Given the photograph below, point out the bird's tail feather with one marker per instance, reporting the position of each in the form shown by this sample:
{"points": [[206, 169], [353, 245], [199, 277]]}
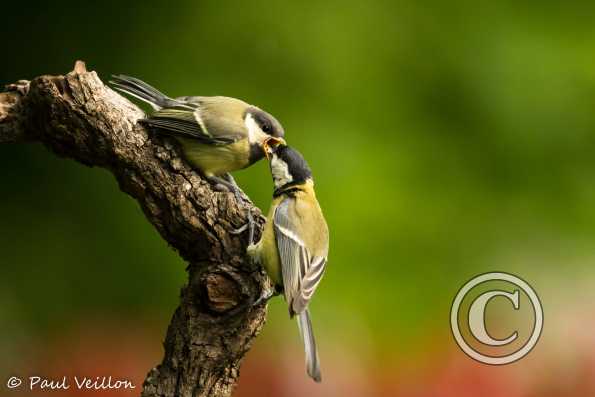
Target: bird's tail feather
{"points": [[312, 361], [141, 90]]}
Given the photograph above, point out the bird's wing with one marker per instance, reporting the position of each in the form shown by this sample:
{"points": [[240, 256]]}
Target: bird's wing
{"points": [[301, 271], [186, 122]]}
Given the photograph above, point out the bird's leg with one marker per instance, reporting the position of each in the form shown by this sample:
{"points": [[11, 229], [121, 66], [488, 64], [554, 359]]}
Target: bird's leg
{"points": [[264, 298], [250, 225], [229, 185], [268, 294], [221, 185]]}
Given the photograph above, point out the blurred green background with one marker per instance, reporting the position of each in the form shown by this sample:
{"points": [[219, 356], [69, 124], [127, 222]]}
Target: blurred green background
{"points": [[446, 139]]}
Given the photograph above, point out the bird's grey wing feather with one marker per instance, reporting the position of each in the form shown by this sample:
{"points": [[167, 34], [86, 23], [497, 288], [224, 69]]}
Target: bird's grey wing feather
{"points": [[184, 122], [292, 253], [309, 282], [190, 100], [301, 272], [307, 333]]}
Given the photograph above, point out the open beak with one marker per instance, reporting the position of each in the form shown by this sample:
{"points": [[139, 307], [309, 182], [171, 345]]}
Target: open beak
{"points": [[270, 145]]}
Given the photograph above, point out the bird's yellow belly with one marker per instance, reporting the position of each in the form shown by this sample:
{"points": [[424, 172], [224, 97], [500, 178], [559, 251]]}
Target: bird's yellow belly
{"points": [[269, 254], [216, 160]]}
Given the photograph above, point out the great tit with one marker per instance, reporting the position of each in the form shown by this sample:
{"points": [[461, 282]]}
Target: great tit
{"points": [[218, 134], [295, 241]]}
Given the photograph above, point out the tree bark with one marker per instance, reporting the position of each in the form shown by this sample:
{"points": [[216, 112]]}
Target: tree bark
{"points": [[78, 117]]}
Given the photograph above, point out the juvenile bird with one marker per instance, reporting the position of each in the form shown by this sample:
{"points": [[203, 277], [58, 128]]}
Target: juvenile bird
{"points": [[218, 134], [295, 241]]}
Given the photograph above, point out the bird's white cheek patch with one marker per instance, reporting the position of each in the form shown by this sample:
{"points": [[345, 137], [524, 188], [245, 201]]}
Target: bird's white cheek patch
{"points": [[280, 172], [255, 134]]}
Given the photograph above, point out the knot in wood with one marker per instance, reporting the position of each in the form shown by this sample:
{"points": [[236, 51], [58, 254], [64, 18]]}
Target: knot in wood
{"points": [[223, 293]]}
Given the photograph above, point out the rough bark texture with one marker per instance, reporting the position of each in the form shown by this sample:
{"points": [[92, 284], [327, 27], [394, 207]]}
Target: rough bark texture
{"points": [[77, 116]]}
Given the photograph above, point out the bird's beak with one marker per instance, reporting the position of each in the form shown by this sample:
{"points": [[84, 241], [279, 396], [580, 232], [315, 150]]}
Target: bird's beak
{"points": [[270, 145]]}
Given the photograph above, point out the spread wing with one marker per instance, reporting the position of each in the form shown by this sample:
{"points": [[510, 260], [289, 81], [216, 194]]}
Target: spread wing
{"points": [[301, 270]]}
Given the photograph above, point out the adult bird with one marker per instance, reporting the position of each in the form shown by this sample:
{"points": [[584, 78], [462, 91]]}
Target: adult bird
{"points": [[218, 134], [294, 244]]}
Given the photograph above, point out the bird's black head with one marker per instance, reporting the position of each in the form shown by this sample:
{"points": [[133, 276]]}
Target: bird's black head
{"points": [[266, 122], [288, 167], [262, 129]]}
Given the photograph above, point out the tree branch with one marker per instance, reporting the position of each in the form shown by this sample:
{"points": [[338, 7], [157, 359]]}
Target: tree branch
{"points": [[78, 117]]}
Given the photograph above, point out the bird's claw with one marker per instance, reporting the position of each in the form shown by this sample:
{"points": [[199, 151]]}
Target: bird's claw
{"points": [[239, 230], [219, 187], [264, 298], [250, 226]]}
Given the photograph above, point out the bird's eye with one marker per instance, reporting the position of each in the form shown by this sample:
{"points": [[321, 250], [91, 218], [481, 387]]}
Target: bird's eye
{"points": [[266, 127]]}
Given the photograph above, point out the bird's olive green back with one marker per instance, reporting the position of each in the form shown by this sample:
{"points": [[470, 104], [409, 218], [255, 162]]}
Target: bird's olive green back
{"points": [[223, 116]]}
